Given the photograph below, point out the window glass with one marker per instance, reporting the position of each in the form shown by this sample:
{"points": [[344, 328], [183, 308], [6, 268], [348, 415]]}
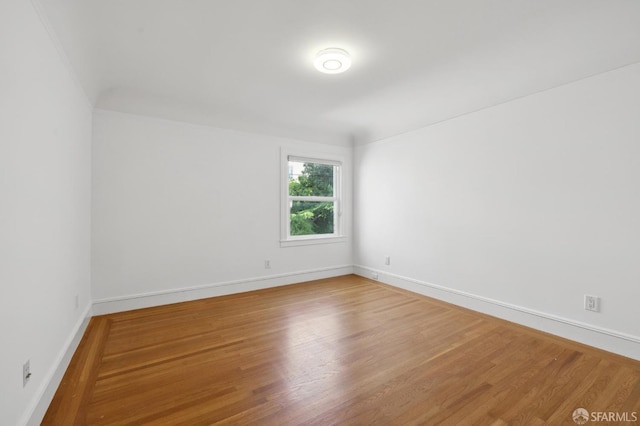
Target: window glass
{"points": [[312, 198], [310, 179]]}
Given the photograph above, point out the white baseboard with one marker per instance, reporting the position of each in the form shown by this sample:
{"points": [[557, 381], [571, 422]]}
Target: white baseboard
{"points": [[608, 340], [44, 395], [146, 300]]}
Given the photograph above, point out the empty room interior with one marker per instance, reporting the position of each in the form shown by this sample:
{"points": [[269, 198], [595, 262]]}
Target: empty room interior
{"points": [[337, 212]]}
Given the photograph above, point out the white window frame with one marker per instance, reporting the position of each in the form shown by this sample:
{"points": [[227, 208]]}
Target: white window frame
{"points": [[288, 240]]}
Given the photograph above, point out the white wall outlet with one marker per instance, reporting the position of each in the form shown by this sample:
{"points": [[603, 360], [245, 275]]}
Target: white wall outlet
{"points": [[387, 260], [267, 264], [592, 303], [374, 275], [26, 372]]}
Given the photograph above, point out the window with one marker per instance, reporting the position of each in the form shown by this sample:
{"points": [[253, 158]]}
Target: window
{"points": [[311, 200]]}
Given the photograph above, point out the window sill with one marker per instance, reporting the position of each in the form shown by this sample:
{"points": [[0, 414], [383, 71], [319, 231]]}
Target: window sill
{"points": [[312, 241]]}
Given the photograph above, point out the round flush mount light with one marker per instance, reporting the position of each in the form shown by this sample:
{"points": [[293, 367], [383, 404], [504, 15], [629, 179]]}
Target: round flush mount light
{"points": [[332, 61]]}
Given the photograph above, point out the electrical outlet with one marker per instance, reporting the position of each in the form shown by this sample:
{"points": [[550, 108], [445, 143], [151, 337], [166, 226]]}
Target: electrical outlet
{"points": [[592, 303], [267, 264], [387, 260], [26, 372], [374, 275]]}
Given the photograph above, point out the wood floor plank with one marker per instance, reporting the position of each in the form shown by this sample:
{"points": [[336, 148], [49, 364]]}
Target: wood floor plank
{"points": [[78, 382], [345, 350]]}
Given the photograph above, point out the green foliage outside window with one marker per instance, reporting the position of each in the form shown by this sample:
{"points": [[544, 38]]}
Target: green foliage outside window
{"points": [[312, 217]]}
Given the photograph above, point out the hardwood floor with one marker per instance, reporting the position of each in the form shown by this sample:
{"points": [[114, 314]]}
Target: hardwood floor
{"points": [[345, 350]]}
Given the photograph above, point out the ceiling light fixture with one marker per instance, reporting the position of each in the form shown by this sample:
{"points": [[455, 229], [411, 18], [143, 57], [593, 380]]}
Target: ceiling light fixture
{"points": [[332, 61]]}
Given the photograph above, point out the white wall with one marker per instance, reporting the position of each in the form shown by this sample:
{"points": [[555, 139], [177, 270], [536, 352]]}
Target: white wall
{"points": [[530, 204], [178, 206], [45, 142]]}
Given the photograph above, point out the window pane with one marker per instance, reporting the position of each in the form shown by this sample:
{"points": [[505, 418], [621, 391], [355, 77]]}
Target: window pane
{"points": [[310, 179], [311, 217]]}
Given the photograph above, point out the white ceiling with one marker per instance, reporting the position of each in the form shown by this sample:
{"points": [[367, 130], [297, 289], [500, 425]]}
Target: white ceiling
{"points": [[247, 64]]}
